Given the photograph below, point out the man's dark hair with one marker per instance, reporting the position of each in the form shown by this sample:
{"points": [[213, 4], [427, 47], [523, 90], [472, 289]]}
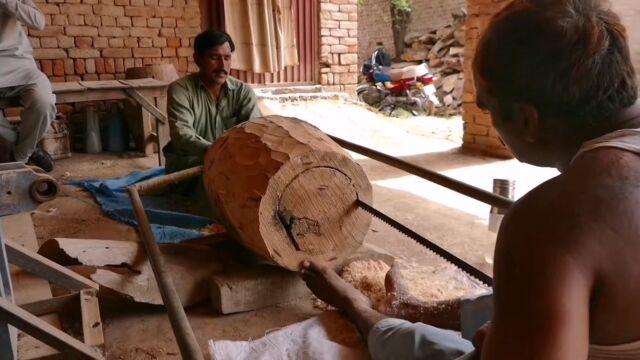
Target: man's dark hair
{"points": [[210, 39], [568, 58]]}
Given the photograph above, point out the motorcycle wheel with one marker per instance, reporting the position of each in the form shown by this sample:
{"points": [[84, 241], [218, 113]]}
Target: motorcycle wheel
{"points": [[371, 96]]}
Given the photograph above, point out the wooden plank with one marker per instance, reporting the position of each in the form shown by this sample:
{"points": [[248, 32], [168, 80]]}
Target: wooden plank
{"points": [[27, 288], [255, 288], [93, 95], [53, 337], [39, 265], [61, 87], [91, 321], [146, 83], [104, 84], [164, 132], [53, 305], [146, 103], [31, 349]]}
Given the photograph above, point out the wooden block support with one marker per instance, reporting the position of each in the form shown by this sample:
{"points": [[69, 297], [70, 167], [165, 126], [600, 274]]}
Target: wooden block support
{"points": [[91, 321], [255, 288]]}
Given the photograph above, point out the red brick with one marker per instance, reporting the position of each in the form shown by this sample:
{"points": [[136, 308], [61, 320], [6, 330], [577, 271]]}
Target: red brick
{"points": [[108, 20], [100, 66], [168, 52], [83, 53], [123, 21], [68, 66], [168, 22], [169, 12], [144, 32], [79, 67], [107, 77], [59, 20], [109, 66], [116, 42], [90, 66], [81, 31], [49, 53], [47, 67], [119, 65], [48, 42], [51, 30], [173, 42], [90, 77], [139, 11], [131, 42], [129, 63], [186, 32], [147, 52], [49, 9], [76, 9], [75, 19], [139, 21], [160, 42], [111, 31], [154, 23], [92, 20], [84, 42], [100, 42], [145, 42], [122, 2], [116, 53], [167, 32], [187, 52], [108, 10]]}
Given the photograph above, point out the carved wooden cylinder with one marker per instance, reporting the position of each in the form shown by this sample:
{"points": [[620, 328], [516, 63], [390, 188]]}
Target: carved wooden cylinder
{"points": [[287, 191]]}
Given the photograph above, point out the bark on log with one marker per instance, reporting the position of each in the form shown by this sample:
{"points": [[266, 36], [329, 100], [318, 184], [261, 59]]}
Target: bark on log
{"points": [[287, 191]]}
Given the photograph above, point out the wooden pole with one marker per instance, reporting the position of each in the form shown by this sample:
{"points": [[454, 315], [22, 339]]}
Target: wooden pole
{"points": [[473, 192], [182, 330], [166, 180]]}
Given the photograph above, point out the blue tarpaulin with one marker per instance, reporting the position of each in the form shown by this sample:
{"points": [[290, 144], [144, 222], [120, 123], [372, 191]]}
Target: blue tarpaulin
{"points": [[170, 224]]}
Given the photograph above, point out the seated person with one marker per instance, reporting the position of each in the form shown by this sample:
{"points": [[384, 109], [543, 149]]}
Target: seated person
{"points": [[557, 78], [202, 106], [20, 77]]}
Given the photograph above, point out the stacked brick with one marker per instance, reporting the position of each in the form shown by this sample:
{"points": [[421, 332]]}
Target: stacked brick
{"points": [[339, 43], [427, 15], [479, 135], [100, 39], [374, 25]]}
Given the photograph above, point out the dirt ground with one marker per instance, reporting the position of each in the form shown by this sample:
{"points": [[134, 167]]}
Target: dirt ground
{"points": [[453, 221]]}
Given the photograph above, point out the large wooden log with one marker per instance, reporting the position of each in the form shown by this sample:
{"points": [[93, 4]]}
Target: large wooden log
{"points": [[287, 191]]}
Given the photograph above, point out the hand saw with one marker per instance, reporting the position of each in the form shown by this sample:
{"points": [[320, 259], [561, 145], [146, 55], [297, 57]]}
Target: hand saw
{"points": [[431, 246]]}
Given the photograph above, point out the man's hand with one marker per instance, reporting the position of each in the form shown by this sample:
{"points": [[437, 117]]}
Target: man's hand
{"points": [[481, 334]]}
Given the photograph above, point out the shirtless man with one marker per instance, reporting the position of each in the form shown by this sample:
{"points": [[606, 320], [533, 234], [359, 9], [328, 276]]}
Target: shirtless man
{"points": [[557, 78]]}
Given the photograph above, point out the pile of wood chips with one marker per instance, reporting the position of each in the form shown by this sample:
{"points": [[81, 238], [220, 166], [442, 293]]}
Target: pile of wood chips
{"points": [[443, 50]]}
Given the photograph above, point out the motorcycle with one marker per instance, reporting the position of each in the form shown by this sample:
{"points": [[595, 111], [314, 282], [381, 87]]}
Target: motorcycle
{"points": [[411, 88]]}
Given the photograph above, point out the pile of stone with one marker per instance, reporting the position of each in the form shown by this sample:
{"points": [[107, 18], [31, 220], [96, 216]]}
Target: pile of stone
{"points": [[443, 50]]}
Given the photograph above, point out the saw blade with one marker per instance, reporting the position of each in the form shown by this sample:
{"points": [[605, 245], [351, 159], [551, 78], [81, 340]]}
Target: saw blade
{"points": [[431, 246]]}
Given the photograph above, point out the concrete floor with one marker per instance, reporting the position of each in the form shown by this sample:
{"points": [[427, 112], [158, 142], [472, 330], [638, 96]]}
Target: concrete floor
{"points": [[455, 222]]}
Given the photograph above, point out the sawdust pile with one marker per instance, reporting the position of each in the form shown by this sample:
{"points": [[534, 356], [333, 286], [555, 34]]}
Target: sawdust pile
{"points": [[365, 275], [438, 282]]}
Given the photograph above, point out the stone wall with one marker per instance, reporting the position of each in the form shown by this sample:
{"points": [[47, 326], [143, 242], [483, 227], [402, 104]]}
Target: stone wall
{"points": [[339, 44], [100, 39], [374, 25], [432, 14]]}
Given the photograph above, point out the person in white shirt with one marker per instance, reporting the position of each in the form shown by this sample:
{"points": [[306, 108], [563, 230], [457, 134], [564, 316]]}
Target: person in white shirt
{"points": [[20, 77]]}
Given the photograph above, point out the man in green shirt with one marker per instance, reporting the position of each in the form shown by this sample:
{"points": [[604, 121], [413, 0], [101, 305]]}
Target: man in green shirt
{"points": [[202, 106]]}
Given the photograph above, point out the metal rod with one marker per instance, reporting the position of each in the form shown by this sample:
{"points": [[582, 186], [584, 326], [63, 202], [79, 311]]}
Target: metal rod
{"points": [[166, 180], [182, 330], [473, 192], [461, 264]]}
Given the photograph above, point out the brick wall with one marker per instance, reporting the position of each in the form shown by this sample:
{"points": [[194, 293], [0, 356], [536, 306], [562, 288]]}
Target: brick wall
{"points": [[629, 10], [479, 135], [374, 25], [431, 14], [100, 39], [339, 44]]}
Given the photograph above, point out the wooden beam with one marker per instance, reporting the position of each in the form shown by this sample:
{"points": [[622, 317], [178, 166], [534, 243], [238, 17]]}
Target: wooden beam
{"points": [[48, 334], [45, 268], [48, 306], [136, 96], [91, 321]]}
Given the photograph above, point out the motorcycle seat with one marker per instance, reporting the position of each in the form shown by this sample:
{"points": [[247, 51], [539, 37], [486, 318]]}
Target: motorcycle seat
{"points": [[408, 73]]}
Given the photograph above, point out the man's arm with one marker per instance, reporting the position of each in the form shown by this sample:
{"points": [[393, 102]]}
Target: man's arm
{"points": [[26, 12], [181, 117], [248, 105], [542, 287]]}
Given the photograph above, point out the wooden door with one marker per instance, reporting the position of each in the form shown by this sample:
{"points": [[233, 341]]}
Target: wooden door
{"points": [[307, 17]]}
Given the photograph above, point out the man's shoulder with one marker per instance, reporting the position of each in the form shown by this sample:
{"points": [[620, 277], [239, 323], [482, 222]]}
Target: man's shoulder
{"points": [[186, 82], [239, 85]]}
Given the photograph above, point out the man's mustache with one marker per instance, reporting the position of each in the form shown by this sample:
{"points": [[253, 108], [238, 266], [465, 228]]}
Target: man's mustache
{"points": [[222, 72]]}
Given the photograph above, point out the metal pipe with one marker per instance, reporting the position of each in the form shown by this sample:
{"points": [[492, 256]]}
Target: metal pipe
{"points": [[182, 330], [442, 180], [166, 180]]}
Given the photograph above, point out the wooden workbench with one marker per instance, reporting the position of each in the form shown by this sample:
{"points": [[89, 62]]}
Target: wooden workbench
{"points": [[150, 95]]}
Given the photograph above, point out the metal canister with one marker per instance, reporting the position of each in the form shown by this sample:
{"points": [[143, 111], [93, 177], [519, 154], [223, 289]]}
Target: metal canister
{"points": [[502, 187]]}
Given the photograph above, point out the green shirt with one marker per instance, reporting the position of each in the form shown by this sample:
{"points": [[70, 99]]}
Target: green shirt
{"points": [[196, 120]]}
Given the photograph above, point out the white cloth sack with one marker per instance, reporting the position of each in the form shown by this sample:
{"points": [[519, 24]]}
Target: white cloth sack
{"points": [[328, 336]]}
